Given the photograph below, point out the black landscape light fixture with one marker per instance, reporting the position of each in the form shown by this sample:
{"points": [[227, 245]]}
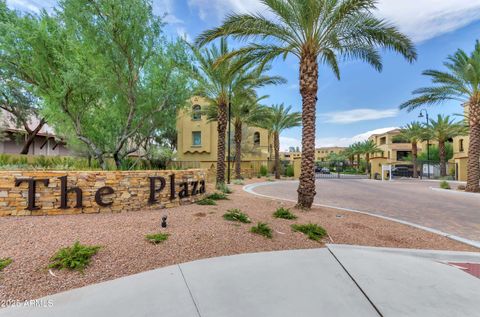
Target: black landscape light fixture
{"points": [[164, 221], [428, 140]]}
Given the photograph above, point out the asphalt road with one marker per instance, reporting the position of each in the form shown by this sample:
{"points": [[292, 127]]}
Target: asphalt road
{"points": [[418, 202]]}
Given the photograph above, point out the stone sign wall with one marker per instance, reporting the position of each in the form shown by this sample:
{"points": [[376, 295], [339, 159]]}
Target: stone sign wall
{"points": [[73, 192]]}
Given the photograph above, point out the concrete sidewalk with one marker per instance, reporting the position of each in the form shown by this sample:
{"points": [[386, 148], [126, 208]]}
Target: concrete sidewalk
{"points": [[335, 281]]}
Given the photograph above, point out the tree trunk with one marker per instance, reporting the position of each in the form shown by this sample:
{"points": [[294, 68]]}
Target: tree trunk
{"points": [[367, 158], [118, 161], [414, 159], [308, 90], [276, 145], [358, 161], [31, 136], [443, 158], [473, 165], [221, 129], [238, 150]]}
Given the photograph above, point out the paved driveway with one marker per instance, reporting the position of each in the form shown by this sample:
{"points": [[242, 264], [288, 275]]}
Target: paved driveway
{"points": [[407, 200]]}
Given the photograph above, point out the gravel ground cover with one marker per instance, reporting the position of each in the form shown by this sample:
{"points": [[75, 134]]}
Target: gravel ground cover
{"points": [[195, 232]]}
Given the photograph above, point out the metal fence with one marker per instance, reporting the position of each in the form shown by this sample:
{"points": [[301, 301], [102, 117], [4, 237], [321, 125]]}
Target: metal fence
{"points": [[342, 170]]}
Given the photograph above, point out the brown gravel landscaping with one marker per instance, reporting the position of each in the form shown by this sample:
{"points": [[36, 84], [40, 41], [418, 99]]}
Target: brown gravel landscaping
{"points": [[195, 232]]}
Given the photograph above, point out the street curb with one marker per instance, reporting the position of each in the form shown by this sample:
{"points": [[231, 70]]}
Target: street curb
{"points": [[453, 191], [473, 243]]}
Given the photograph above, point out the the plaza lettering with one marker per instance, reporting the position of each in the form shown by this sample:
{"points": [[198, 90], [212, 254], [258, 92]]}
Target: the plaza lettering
{"points": [[157, 185]]}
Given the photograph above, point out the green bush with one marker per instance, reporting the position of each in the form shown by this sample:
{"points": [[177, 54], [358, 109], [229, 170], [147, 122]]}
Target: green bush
{"points": [[445, 185], [157, 237], [76, 257], [263, 170], [313, 231], [207, 202], [4, 263], [217, 196], [238, 182], [262, 229], [289, 171], [284, 213], [236, 215], [224, 188]]}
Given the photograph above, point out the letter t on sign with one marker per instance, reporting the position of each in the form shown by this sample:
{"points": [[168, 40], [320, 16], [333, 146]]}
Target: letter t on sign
{"points": [[32, 184]]}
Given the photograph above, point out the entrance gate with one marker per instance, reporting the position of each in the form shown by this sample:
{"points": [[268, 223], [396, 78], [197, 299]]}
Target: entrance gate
{"points": [[340, 170]]}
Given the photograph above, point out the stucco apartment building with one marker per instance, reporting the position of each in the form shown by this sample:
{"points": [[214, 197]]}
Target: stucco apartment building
{"points": [[197, 139], [394, 151], [13, 137], [321, 153]]}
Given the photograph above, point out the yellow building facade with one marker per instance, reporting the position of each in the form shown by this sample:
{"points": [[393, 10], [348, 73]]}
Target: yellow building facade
{"points": [[290, 156], [392, 150], [322, 153], [197, 139]]}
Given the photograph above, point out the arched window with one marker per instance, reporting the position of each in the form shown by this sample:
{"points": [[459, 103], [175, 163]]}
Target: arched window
{"points": [[256, 138], [196, 112]]}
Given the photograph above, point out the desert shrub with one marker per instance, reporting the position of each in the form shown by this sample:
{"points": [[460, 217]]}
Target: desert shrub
{"points": [[236, 215], [206, 202], [445, 185], [4, 263], [224, 188], [238, 182], [157, 238], [262, 229], [76, 257], [313, 231], [217, 196], [284, 213], [461, 187], [4, 159], [263, 170], [289, 171]]}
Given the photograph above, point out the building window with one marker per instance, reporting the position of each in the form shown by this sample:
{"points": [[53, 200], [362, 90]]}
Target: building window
{"points": [[197, 138], [256, 138], [196, 112], [383, 140], [460, 145]]}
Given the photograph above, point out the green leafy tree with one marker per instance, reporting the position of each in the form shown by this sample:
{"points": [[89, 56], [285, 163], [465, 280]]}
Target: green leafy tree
{"points": [[315, 31], [413, 133], [277, 119], [461, 82], [441, 130]]}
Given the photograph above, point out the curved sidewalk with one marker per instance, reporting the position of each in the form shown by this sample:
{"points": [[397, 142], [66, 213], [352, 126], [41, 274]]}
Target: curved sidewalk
{"points": [[407, 202], [335, 281]]}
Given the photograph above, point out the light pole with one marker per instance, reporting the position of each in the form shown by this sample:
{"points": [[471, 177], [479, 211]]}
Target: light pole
{"points": [[428, 140], [229, 136]]}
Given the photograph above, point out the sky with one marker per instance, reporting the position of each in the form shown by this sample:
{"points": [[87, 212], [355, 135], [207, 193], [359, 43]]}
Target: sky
{"points": [[364, 101]]}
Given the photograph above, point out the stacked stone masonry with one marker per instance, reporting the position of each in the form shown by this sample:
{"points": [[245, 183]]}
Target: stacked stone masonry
{"points": [[131, 191]]}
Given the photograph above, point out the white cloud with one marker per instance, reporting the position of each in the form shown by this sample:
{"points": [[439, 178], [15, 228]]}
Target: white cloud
{"points": [[420, 19], [182, 32], [426, 19], [335, 141], [286, 143], [356, 115]]}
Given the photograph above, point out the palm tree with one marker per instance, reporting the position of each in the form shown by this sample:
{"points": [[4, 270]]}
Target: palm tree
{"points": [[356, 151], [368, 147], [277, 119], [413, 132], [461, 82], [441, 130], [220, 82], [315, 31]]}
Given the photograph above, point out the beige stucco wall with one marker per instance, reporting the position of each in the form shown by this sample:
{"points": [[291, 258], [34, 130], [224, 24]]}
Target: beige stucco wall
{"points": [[131, 190], [207, 151]]}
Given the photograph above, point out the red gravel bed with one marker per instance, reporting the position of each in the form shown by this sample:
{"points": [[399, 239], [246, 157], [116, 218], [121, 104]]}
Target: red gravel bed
{"points": [[196, 232]]}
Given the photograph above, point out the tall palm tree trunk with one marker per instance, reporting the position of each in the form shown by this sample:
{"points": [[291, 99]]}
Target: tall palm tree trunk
{"points": [[367, 158], [414, 159], [473, 165], [443, 158], [276, 146], [308, 90], [221, 129], [238, 149]]}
